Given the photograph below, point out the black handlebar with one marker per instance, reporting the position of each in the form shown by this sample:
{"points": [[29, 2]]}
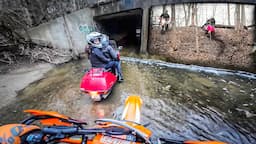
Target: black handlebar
{"points": [[59, 130], [76, 131]]}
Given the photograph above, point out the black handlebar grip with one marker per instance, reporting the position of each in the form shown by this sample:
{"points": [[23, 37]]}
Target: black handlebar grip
{"points": [[60, 130]]}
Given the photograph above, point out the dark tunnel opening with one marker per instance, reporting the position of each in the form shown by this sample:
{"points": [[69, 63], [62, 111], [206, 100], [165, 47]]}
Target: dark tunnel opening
{"points": [[124, 27]]}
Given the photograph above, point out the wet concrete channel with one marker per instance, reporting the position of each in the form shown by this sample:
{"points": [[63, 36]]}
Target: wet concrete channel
{"points": [[180, 103]]}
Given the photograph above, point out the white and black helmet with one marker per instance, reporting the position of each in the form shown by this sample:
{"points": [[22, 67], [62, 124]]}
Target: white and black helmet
{"points": [[93, 36]]}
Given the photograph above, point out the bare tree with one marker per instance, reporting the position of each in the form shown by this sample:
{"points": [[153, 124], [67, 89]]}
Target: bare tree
{"points": [[228, 7], [173, 16], [237, 17], [213, 10], [164, 8], [243, 18], [187, 12], [194, 11]]}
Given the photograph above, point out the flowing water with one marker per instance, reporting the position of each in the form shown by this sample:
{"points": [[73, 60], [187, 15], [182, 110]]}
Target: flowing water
{"points": [[181, 102]]}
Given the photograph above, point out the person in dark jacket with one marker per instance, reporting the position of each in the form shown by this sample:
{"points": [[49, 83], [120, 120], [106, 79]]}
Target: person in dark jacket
{"points": [[111, 53], [97, 57]]}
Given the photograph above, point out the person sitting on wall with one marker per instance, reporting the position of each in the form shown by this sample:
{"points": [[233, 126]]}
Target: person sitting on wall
{"points": [[164, 20], [98, 53]]}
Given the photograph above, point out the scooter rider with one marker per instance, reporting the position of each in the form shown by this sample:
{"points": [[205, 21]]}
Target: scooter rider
{"points": [[109, 52], [107, 49], [97, 57]]}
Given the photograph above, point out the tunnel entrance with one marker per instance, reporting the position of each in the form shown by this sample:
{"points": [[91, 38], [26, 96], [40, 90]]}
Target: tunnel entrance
{"points": [[124, 27]]}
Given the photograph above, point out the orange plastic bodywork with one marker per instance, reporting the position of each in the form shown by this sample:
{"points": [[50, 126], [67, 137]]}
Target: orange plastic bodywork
{"points": [[141, 128], [132, 112], [54, 122], [50, 121], [49, 113], [14, 131], [132, 109]]}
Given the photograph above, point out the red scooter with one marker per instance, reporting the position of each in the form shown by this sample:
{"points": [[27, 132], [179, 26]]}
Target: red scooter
{"points": [[99, 82]]}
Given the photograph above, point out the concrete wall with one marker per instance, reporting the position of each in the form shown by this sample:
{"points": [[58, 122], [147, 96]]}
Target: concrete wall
{"points": [[66, 32]]}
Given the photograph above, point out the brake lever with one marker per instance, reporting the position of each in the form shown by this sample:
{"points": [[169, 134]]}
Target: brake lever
{"points": [[77, 122], [146, 124], [121, 131]]}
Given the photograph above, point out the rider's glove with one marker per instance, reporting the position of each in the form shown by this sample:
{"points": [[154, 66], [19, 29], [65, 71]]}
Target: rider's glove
{"points": [[34, 138]]}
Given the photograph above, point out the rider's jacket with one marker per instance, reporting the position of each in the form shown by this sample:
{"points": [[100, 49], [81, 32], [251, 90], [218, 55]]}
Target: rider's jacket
{"points": [[98, 59], [109, 52]]}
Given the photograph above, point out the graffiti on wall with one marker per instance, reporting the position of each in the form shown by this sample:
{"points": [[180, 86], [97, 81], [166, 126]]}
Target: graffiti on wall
{"points": [[86, 28]]}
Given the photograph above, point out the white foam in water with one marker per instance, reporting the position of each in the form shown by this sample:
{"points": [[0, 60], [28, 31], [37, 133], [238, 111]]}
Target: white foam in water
{"points": [[196, 68]]}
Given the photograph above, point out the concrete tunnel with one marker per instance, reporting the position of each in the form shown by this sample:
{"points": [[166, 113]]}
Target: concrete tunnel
{"points": [[124, 27]]}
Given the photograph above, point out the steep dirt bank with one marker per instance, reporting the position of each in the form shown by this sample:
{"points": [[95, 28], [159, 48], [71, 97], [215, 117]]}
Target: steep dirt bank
{"points": [[228, 49]]}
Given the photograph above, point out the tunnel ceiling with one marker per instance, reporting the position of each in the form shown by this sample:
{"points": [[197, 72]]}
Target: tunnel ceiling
{"points": [[137, 12]]}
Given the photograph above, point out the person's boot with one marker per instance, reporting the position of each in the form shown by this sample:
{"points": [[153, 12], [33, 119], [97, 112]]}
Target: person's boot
{"points": [[120, 78]]}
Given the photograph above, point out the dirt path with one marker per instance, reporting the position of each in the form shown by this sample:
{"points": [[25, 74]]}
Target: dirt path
{"points": [[18, 78]]}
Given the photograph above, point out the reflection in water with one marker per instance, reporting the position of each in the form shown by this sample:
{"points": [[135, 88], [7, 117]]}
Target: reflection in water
{"points": [[179, 103]]}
